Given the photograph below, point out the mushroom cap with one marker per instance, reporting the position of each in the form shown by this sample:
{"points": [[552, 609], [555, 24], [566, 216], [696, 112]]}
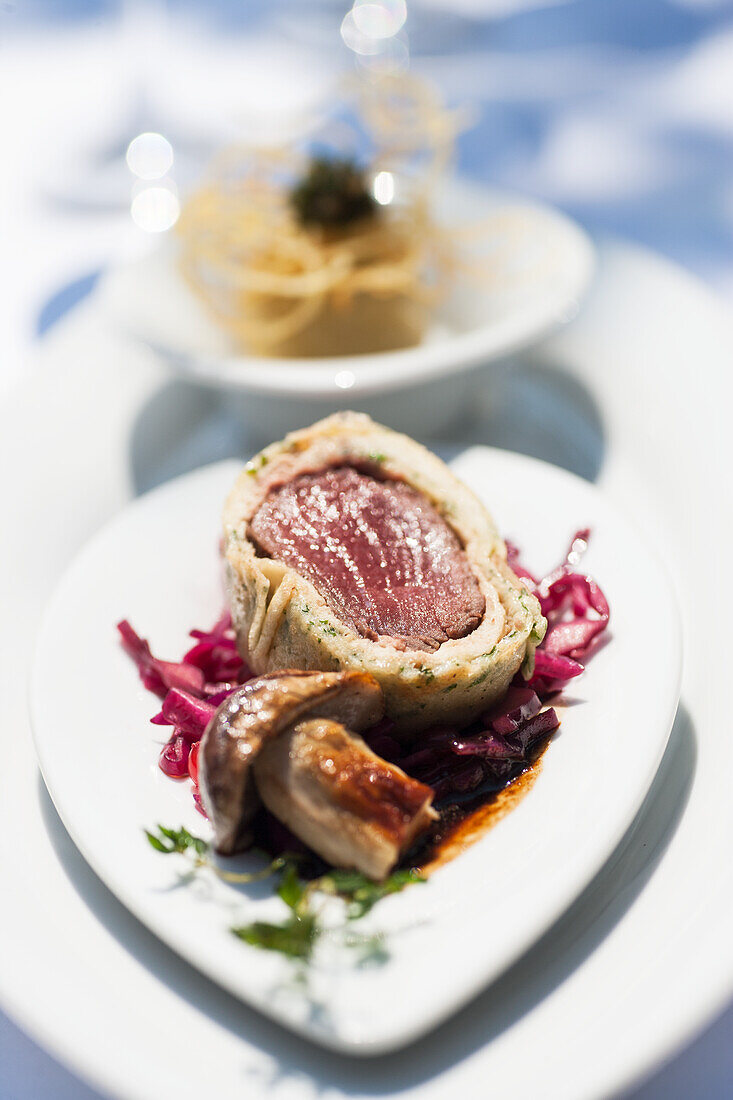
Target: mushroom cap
{"points": [[262, 709]]}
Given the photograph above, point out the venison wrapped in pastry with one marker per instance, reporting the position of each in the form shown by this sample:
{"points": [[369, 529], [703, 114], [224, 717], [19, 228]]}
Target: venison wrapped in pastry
{"points": [[350, 546]]}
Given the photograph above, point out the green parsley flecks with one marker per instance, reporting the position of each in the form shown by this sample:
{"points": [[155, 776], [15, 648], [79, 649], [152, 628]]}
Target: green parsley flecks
{"points": [[255, 464]]}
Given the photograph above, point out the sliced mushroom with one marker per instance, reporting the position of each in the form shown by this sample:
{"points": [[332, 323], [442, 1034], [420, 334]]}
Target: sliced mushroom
{"points": [[340, 798], [258, 712]]}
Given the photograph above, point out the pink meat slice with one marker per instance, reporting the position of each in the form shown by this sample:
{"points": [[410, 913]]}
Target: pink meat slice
{"points": [[379, 553]]}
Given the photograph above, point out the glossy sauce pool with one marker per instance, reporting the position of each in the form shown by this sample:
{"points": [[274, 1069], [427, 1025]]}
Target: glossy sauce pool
{"points": [[461, 824]]}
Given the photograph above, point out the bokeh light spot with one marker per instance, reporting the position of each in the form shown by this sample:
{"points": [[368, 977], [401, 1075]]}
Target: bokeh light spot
{"points": [[149, 156]]}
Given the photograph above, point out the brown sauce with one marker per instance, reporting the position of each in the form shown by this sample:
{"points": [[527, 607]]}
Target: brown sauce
{"points": [[461, 824]]}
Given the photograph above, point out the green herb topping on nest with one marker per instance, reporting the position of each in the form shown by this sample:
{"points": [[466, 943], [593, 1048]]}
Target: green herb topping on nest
{"points": [[332, 193]]}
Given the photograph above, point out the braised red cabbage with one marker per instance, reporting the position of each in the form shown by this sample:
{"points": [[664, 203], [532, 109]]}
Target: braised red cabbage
{"points": [[455, 762], [577, 615], [191, 689]]}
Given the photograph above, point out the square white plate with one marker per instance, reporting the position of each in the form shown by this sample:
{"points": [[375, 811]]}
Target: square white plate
{"points": [[156, 564]]}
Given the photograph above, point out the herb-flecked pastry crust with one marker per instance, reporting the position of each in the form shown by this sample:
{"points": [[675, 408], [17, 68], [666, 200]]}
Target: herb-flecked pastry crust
{"points": [[282, 621]]}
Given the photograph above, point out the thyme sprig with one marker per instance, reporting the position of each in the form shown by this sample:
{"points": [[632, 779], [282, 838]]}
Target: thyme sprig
{"points": [[180, 841], [360, 893], [297, 935]]}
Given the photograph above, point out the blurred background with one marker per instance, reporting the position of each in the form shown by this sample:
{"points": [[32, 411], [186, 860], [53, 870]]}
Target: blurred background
{"points": [[619, 112]]}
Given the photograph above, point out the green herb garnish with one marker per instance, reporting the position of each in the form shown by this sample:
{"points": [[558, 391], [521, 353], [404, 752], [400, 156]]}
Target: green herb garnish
{"points": [[292, 889], [181, 841], [333, 192], [176, 840], [297, 935], [360, 893]]}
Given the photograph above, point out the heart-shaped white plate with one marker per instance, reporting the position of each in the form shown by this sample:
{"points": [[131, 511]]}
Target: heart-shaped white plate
{"points": [[156, 564]]}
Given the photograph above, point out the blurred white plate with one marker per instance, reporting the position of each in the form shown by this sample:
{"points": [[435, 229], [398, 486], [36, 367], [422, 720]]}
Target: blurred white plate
{"points": [[541, 265], [448, 938]]}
